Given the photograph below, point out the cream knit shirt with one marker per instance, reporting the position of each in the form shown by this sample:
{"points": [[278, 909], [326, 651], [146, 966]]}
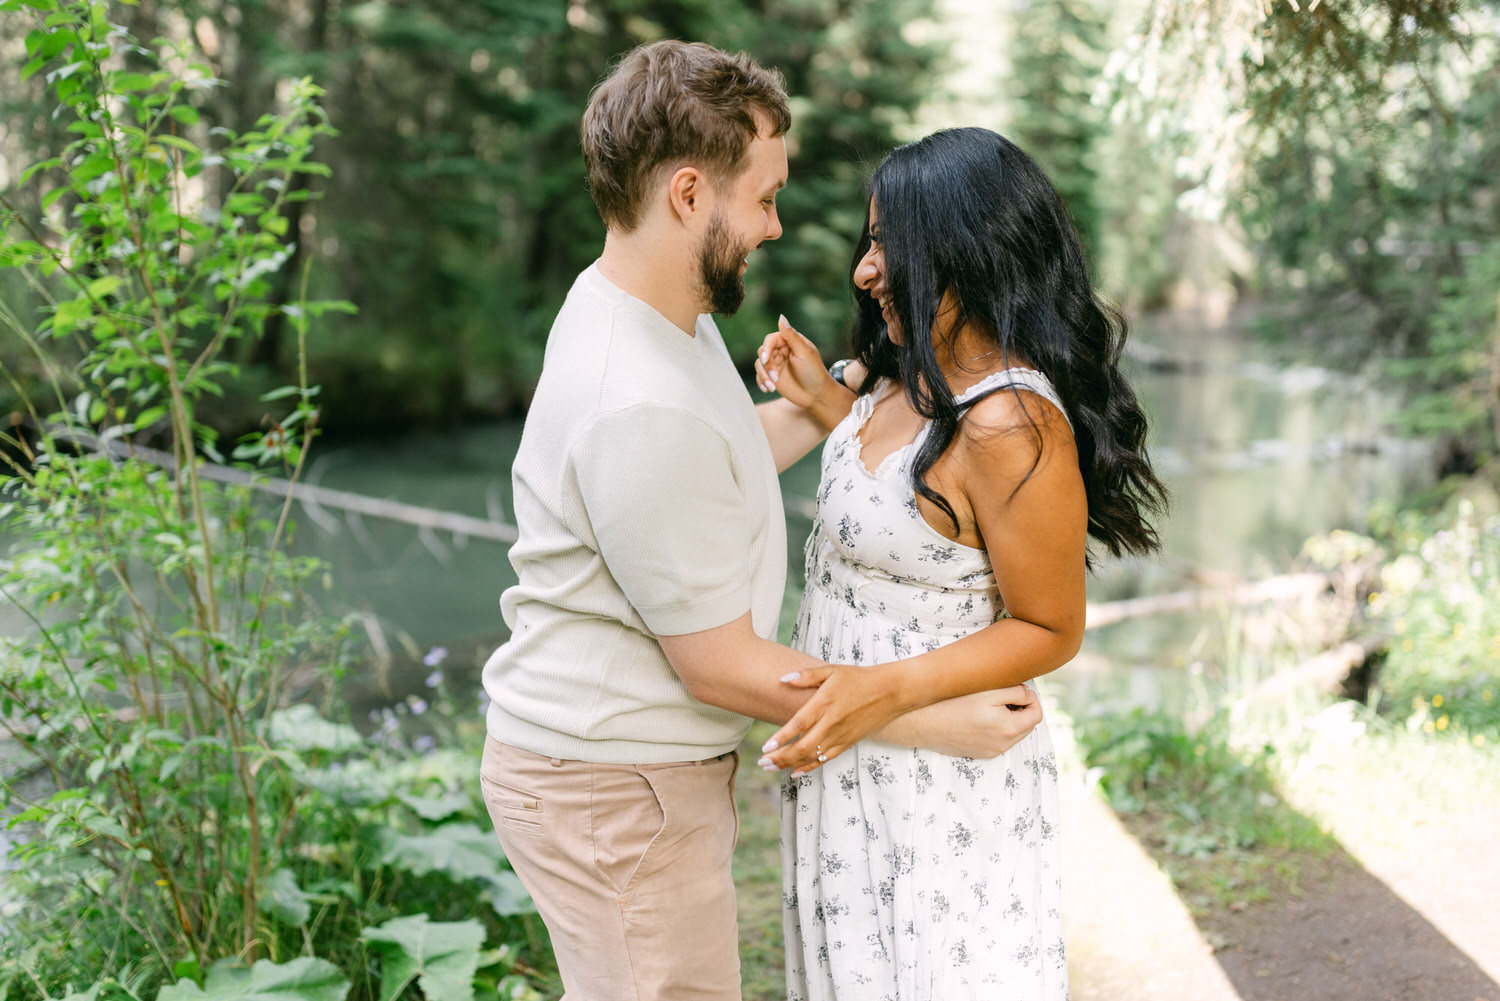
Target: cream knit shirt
{"points": [[647, 502]]}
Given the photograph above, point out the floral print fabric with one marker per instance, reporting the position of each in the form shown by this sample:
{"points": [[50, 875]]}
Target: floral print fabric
{"points": [[910, 875]]}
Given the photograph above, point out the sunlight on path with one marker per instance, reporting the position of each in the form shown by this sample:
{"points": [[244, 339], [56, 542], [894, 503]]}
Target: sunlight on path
{"points": [[1422, 818], [1129, 937]]}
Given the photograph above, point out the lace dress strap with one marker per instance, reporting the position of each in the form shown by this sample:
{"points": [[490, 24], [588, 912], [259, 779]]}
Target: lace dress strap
{"points": [[1028, 379]]}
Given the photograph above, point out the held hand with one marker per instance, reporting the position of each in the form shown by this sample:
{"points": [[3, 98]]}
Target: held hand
{"points": [[985, 724], [851, 703], [789, 363]]}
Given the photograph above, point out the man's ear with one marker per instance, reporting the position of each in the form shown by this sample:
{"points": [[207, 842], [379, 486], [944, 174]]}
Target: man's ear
{"points": [[685, 192]]}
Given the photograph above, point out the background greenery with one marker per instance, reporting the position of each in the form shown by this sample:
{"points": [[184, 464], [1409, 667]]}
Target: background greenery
{"points": [[226, 227]]}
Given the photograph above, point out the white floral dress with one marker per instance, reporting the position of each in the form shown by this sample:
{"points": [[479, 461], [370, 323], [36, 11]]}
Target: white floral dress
{"points": [[910, 875]]}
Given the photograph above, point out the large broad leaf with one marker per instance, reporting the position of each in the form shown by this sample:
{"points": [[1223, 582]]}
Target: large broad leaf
{"points": [[305, 979], [300, 727], [283, 899], [357, 783], [441, 957], [437, 807], [460, 851]]}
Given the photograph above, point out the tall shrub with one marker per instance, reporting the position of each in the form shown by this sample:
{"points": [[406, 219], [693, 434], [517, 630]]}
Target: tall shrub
{"points": [[186, 822]]}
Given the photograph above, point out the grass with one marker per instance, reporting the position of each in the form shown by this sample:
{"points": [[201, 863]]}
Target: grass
{"points": [[1369, 781], [757, 873], [1208, 812]]}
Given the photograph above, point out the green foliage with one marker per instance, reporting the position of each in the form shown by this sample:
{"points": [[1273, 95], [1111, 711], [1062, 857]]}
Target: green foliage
{"points": [[1209, 793], [1208, 808], [1437, 602], [303, 979], [1454, 385], [1059, 55], [460, 216], [176, 813], [441, 957]]}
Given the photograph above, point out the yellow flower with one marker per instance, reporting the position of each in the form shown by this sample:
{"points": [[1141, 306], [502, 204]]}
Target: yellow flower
{"points": [[1374, 597], [1458, 630], [1486, 695], [1400, 626], [1406, 644], [1479, 740], [1442, 722], [1427, 727], [162, 882], [1437, 701]]}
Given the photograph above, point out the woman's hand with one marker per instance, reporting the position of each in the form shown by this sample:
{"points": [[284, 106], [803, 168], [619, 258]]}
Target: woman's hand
{"points": [[851, 703], [789, 364]]}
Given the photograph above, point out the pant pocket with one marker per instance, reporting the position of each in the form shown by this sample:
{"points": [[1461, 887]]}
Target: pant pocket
{"points": [[629, 822], [511, 808]]}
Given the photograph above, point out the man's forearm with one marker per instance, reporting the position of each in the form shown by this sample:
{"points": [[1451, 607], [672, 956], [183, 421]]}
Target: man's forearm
{"points": [[733, 668]]}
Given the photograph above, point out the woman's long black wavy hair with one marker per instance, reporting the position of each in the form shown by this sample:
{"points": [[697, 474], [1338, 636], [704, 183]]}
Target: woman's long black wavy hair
{"points": [[966, 210]]}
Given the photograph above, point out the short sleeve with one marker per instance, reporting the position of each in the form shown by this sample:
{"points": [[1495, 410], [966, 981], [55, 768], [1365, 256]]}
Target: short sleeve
{"points": [[659, 490]]}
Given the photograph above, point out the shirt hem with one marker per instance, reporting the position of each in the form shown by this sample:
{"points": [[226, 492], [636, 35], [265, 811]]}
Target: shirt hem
{"points": [[528, 736]]}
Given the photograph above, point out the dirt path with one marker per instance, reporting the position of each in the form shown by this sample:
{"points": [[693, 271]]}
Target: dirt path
{"points": [[1410, 911], [1129, 936]]}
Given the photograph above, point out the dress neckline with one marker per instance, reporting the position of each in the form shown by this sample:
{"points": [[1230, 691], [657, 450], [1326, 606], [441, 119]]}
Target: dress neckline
{"points": [[884, 387]]}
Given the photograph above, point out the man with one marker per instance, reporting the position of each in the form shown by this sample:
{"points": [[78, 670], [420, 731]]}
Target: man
{"points": [[652, 551]]}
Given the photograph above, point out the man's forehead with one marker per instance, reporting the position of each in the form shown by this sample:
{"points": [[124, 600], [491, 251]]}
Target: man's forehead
{"points": [[767, 163]]}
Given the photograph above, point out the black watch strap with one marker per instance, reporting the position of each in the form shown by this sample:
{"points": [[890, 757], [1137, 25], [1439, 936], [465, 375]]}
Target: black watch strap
{"points": [[837, 371]]}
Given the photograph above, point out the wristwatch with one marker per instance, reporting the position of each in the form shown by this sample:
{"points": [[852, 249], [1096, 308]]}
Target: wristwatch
{"points": [[836, 370]]}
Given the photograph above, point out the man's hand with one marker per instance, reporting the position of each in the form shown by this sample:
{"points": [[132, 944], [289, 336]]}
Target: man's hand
{"points": [[982, 725]]}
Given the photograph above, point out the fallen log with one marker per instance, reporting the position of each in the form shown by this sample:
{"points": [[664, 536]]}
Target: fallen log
{"points": [[313, 497], [1287, 587], [1322, 673]]}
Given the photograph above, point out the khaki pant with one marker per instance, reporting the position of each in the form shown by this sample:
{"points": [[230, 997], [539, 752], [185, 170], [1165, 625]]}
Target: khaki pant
{"points": [[629, 867]]}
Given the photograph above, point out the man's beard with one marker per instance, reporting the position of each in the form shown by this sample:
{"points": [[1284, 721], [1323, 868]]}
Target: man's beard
{"points": [[720, 283]]}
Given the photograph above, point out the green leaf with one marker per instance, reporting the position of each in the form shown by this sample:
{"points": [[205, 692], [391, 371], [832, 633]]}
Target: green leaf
{"points": [[70, 313], [176, 142], [244, 203], [441, 957], [304, 979], [284, 900], [358, 783], [107, 285], [124, 83], [437, 807], [35, 168], [462, 852], [300, 727]]}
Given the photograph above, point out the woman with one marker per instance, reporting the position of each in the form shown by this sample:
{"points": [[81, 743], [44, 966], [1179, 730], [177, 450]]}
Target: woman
{"points": [[993, 434]]}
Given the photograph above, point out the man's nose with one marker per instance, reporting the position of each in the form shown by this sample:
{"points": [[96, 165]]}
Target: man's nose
{"points": [[774, 230]]}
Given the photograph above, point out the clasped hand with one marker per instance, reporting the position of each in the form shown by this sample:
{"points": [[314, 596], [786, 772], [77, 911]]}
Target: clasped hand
{"points": [[855, 702], [851, 703]]}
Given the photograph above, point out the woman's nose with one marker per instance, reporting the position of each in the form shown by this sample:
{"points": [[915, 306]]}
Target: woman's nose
{"points": [[866, 272]]}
